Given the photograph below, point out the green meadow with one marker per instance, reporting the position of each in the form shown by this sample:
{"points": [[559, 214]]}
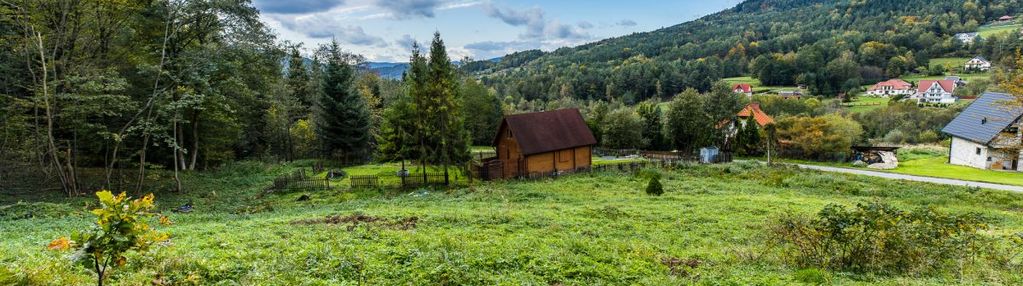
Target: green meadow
{"points": [[583, 229]]}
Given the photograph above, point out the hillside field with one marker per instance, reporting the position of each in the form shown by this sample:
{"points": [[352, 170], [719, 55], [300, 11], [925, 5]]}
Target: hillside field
{"points": [[989, 30], [585, 229]]}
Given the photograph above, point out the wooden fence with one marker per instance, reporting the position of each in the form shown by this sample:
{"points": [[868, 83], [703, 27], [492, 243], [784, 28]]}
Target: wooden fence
{"points": [[404, 182], [299, 181]]}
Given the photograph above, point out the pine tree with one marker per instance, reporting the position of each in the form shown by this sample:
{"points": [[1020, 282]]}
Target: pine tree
{"points": [[442, 91], [298, 81], [342, 116], [423, 132]]}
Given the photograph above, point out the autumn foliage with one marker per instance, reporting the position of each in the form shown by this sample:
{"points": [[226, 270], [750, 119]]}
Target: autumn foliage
{"points": [[121, 226]]}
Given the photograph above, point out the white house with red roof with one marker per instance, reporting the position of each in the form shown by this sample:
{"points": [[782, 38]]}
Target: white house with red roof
{"points": [[891, 87], [935, 91], [743, 88]]}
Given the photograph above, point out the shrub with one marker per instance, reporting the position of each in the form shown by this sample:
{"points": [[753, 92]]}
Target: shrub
{"points": [[878, 238], [120, 227], [811, 276], [820, 137], [654, 188]]}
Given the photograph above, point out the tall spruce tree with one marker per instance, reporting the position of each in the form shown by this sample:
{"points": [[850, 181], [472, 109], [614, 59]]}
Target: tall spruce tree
{"points": [[298, 81], [342, 116], [423, 131], [442, 91]]}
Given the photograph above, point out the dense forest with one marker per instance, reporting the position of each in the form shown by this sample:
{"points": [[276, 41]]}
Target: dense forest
{"points": [[98, 94], [830, 47]]}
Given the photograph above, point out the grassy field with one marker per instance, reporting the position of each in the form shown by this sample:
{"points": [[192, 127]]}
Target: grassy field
{"points": [[933, 162], [990, 30], [951, 63], [755, 83], [967, 77], [865, 103], [587, 229]]}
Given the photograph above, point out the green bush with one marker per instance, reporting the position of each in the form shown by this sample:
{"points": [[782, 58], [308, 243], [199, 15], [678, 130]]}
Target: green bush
{"points": [[811, 276], [654, 188], [880, 239]]}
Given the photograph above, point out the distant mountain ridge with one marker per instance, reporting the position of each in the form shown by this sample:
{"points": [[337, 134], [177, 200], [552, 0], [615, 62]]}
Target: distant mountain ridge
{"points": [[795, 40]]}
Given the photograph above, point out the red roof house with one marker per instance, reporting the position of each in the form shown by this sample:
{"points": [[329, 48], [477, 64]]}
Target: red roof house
{"points": [[743, 88], [891, 87], [753, 109], [935, 91]]}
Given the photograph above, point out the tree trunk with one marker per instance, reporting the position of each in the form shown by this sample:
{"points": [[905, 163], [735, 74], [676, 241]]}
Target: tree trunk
{"points": [[54, 154], [177, 153], [142, 164], [195, 141]]}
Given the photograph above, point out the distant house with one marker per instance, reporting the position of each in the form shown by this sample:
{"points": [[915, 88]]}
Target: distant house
{"points": [[960, 82], [935, 91], [967, 38], [1006, 18], [891, 87], [790, 94], [986, 135], [743, 88], [978, 64], [543, 142], [753, 110]]}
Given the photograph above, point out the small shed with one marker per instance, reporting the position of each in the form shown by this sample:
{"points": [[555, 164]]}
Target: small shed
{"points": [[543, 142], [709, 155]]}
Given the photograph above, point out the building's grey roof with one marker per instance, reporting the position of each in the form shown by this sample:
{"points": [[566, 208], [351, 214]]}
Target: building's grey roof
{"points": [[985, 118]]}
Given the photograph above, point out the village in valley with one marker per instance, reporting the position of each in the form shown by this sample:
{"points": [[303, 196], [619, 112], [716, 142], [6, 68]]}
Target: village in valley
{"points": [[506, 142]]}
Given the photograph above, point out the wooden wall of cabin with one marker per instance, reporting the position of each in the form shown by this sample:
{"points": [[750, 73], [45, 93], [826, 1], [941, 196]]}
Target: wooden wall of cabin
{"points": [[562, 160], [508, 151]]}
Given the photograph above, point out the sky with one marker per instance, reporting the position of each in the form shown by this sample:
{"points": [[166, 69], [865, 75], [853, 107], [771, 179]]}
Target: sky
{"points": [[384, 30]]}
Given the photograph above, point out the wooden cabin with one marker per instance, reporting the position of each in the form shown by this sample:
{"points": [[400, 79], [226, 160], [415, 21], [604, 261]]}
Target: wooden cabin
{"points": [[543, 142]]}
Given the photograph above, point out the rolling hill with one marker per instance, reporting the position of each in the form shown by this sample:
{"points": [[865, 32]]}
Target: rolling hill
{"points": [[794, 40]]}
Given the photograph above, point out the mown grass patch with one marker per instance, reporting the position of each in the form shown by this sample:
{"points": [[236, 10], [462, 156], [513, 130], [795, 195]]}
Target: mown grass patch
{"points": [[990, 30]]}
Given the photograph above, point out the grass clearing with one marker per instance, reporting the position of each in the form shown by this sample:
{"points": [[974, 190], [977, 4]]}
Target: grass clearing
{"points": [[578, 230], [864, 103], [991, 30], [951, 63], [966, 76], [756, 85]]}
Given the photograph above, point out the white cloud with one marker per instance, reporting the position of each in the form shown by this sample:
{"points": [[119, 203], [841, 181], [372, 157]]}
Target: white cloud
{"points": [[538, 27]]}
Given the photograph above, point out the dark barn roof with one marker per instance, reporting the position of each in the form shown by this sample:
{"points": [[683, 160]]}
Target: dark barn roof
{"points": [[548, 131], [985, 118]]}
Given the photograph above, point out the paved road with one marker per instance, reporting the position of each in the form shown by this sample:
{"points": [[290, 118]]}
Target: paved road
{"points": [[915, 178]]}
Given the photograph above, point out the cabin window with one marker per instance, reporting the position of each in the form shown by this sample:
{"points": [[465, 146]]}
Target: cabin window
{"points": [[978, 150]]}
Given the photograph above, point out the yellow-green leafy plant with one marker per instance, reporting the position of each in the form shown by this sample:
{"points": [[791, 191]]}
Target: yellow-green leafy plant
{"points": [[121, 226]]}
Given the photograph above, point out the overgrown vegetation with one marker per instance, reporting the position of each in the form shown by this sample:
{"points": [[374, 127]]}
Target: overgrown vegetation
{"points": [[879, 238], [707, 227]]}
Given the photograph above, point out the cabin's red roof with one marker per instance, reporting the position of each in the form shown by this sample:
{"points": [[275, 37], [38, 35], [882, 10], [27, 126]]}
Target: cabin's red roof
{"points": [[543, 132], [753, 109], [897, 84], [947, 85], [745, 87]]}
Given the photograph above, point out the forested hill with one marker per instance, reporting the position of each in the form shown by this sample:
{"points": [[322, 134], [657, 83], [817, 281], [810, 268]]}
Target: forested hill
{"points": [[830, 46]]}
